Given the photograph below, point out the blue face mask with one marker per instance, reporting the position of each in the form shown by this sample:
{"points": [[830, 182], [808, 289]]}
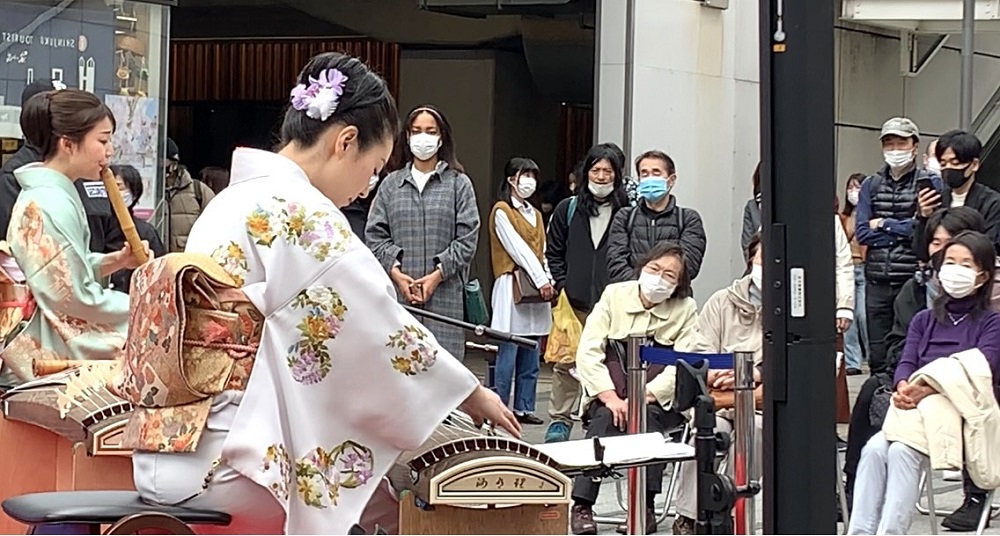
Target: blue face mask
{"points": [[653, 189]]}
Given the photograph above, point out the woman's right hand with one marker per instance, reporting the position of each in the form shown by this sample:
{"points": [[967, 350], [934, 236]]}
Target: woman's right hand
{"points": [[483, 405], [901, 398], [403, 283]]}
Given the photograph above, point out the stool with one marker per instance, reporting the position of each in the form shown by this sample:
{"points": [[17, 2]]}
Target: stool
{"points": [[83, 512]]}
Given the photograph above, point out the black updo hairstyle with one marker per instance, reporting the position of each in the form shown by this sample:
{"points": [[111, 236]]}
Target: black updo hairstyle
{"points": [[365, 103], [62, 113]]}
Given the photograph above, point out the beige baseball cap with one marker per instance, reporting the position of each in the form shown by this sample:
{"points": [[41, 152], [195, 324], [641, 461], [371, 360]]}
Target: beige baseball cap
{"points": [[900, 126]]}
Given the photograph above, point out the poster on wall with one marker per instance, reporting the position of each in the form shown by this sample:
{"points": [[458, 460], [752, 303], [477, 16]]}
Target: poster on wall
{"points": [[70, 44], [134, 142]]}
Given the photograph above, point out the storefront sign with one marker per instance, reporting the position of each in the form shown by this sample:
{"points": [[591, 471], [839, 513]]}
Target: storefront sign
{"points": [[73, 45]]}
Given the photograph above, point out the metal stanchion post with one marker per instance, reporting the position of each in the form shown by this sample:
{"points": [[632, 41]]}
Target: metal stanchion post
{"points": [[744, 468], [636, 425]]}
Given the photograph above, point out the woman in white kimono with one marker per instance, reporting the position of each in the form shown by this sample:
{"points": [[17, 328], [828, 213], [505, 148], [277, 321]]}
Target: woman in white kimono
{"points": [[344, 379]]}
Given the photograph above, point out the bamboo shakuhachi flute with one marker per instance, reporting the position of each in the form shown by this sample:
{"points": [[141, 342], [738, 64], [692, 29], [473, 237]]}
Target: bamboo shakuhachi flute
{"points": [[124, 218]]}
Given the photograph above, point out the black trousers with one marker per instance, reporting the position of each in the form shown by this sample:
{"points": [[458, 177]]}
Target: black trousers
{"points": [[861, 431], [585, 489], [879, 315]]}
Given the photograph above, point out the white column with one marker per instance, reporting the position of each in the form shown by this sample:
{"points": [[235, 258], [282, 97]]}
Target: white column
{"points": [[696, 98]]}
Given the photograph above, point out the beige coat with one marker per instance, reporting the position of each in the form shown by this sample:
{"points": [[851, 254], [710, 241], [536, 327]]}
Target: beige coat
{"points": [[845, 270], [964, 414], [619, 314]]}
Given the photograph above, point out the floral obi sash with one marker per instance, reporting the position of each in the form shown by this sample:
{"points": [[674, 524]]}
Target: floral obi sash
{"points": [[192, 334]]}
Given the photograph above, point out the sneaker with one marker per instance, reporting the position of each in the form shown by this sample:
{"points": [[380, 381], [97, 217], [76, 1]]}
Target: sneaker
{"points": [[966, 518], [557, 432], [683, 525], [582, 520], [651, 525]]}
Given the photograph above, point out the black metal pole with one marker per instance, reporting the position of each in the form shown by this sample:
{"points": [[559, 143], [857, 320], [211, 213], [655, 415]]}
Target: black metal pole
{"points": [[482, 331], [797, 182]]}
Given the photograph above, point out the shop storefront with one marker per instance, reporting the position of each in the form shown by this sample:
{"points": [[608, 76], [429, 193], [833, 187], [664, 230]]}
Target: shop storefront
{"points": [[116, 49]]}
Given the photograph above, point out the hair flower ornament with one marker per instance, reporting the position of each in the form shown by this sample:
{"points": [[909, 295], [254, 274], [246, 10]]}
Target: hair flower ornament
{"points": [[320, 98]]}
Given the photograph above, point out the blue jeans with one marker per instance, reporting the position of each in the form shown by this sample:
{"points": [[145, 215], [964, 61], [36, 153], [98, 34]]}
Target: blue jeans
{"points": [[856, 338], [512, 358]]}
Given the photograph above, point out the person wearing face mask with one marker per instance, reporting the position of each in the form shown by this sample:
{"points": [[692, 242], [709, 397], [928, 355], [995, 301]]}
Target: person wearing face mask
{"points": [[957, 153], [959, 319], [517, 252], [577, 254], [423, 225], [658, 304], [730, 321], [130, 184], [856, 336], [885, 214], [656, 218], [930, 159], [916, 295], [187, 198]]}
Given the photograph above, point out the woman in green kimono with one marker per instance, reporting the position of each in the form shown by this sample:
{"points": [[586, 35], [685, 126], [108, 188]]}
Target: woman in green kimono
{"points": [[76, 317]]}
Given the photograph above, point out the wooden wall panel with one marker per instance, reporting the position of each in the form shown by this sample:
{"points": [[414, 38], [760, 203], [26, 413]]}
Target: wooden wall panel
{"points": [[263, 70], [576, 136]]}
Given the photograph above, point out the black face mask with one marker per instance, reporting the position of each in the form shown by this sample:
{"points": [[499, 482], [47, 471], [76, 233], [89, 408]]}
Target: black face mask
{"points": [[954, 178]]}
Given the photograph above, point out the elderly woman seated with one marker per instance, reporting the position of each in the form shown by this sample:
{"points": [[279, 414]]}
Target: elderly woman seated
{"points": [[730, 321], [888, 475], [658, 305]]}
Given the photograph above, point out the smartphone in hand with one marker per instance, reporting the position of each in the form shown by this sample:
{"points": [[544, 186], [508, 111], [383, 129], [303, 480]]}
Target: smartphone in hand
{"points": [[925, 184]]}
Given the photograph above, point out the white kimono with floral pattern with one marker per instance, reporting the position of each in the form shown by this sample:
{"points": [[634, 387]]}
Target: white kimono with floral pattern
{"points": [[345, 378]]}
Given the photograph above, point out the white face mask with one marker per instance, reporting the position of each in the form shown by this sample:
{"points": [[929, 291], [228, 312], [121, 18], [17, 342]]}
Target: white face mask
{"points": [[756, 275], [852, 196], [958, 281], [655, 288], [526, 186], [934, 166], [600, 191], [898, 159], [424, 146]]}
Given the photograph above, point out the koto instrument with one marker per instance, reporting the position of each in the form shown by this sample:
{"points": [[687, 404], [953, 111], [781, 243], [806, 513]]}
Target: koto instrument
{"points": [[467, 480], [62, 433]]}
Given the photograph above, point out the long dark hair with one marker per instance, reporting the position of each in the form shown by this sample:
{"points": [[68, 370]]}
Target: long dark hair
{"points": [[401, 155], [517, 166], [848, 206], [669, 248], [587, 202], [61, 113], [984, 255]]}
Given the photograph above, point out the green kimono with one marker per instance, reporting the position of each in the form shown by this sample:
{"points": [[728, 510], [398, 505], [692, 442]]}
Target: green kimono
{"points": [[76, 317]]}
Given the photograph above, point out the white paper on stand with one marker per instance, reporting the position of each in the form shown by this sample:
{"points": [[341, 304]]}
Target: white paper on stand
{"points": [[618, 450]]}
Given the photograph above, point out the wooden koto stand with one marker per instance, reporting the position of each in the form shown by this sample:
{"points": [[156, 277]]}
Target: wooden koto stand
{"points": [[491, 495], [49, 442]]}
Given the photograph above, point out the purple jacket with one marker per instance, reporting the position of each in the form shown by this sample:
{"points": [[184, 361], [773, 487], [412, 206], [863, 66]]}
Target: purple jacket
{"points": [[929, 338]]}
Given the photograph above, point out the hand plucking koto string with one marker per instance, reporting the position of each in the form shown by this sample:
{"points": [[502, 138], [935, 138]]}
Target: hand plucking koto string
{"points": [[484, 405], [139, 248]]}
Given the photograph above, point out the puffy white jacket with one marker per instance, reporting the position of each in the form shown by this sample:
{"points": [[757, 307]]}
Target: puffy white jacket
{"points": [[964, 413]]}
